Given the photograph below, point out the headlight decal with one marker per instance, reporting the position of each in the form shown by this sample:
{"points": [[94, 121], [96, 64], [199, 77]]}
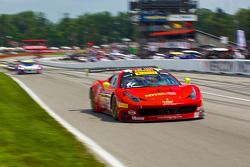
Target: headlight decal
{"points": [[193, 95], [135, 99]]}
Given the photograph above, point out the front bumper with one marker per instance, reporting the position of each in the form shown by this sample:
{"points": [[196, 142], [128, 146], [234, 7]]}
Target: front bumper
{"points": [[134, 114], [25, 71]]}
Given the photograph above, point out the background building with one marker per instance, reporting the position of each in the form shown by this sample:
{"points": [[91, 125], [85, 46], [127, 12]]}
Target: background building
{"points": [[164, 25]]}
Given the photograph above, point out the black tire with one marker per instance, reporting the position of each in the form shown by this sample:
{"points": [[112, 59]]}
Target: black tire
{"points": [[18, 72], [92, 100], [114, 108]]}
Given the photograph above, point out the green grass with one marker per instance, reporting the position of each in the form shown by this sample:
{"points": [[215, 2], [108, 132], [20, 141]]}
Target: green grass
{"points": [[30, 137]]}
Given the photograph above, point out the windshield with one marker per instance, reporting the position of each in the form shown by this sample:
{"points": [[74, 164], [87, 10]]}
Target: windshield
{"points": [[27, 63], [130, 80]]}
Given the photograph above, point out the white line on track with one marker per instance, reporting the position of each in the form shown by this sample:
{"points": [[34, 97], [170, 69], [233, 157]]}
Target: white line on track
{"points": [[229, 97], [106, 156]]}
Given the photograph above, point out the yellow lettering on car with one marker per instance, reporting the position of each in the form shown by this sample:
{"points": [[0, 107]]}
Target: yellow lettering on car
{"points": [[122, 105], [145, 72], [156, 94], [167, 102]]}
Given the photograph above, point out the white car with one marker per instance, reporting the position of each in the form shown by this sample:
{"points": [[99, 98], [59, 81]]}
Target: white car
{"points": [[82, 59], [9, 64], [28, 66]]}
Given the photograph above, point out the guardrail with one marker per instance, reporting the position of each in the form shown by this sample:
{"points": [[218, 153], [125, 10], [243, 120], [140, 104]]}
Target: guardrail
{"points": [[199, 65]]}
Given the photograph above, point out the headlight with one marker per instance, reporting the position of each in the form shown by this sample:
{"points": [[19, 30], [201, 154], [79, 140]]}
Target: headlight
{"points": [[20, 67], [39, 67], [193, 95], [135, 99]]}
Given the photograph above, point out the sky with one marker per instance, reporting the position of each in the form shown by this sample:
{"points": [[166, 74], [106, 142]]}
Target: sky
{"points": [[54, 9]]}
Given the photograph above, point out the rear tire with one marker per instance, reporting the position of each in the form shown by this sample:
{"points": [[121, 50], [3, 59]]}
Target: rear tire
{"points": [[114, 108], [92, 101]]}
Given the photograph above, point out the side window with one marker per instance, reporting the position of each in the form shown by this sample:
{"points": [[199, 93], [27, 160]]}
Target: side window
{"points": [[114, 81]]}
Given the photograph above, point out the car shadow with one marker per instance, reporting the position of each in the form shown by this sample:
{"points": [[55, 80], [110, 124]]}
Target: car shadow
{"points": [[100, 115], [108, 118]]}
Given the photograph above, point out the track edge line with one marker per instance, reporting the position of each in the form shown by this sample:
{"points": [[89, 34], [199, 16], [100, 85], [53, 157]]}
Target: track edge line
{"points": [[91, 144]]}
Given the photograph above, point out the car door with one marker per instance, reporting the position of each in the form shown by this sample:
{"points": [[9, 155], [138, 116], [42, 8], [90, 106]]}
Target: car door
{"points": [[108, 91]]}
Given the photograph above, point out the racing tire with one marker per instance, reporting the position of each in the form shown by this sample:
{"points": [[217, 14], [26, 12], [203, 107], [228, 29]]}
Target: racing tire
{"points": [[114, 108], [19, 72], [92, 101], [39, 71]]}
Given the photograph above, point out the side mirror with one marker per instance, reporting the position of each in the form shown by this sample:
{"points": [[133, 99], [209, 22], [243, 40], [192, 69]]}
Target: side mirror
{"points": [[187, 80], [106, 84]]}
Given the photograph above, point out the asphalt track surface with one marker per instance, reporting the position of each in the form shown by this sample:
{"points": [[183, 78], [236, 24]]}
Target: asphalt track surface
{"points": [[222, 139]]}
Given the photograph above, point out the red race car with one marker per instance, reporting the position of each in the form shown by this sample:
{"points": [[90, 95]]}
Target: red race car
{"points": [[146, 94]]}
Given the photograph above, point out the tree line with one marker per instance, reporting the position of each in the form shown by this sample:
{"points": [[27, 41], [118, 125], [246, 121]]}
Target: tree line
{"points": [[220, 23], [104, 27], [99, 28]]}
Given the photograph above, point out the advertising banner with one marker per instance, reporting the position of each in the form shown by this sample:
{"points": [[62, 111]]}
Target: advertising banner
{"points": [[35, 47], [241, 39], [182, 17], [221, 66], [172, 45], [154, 18], [155, 28], [244, 67], [165, 18]]}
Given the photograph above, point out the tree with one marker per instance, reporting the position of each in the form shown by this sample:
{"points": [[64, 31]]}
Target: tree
{"points": [[104, 28]]}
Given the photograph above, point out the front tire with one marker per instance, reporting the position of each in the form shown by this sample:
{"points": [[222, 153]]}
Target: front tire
{"points": [[19, 72], [39, 71]]}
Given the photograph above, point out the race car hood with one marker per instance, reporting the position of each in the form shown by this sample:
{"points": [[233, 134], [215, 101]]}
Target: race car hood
{"points": [[33, 67], [166, 94]]}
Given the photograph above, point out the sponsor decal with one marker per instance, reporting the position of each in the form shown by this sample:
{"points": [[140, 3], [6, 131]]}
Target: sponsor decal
{"points": [[131, 112], [105, 95], [122, 105], [171, 93], [161, 94], [104, 100], [138, 118], [170, 117], [145, 72], [167, 102], [156, 94], [196, 115]]}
